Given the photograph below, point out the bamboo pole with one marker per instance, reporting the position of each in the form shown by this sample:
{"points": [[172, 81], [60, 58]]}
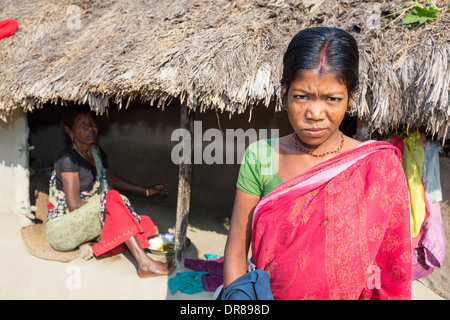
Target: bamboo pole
{"points": [[184, 187]]}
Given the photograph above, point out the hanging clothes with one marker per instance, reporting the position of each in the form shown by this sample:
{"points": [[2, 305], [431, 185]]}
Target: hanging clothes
{"points": [[420, 160], [431, 173], [430, 251], [413, 159]]}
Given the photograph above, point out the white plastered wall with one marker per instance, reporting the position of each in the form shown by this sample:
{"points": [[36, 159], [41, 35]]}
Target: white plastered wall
{"points": [[14, 169]]}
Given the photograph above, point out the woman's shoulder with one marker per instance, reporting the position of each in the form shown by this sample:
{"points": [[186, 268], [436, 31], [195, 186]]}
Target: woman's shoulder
{"points": [[352, 143], [382, 154], [68, 152], [261, 144], [260, 148], [68, 160]]}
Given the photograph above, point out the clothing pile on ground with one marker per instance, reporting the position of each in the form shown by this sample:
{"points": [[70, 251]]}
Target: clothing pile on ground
{"points": [[207, 275], [420, 161]]}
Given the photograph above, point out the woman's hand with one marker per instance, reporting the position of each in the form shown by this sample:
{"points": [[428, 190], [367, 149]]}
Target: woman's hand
{"points": [[157, 189]]}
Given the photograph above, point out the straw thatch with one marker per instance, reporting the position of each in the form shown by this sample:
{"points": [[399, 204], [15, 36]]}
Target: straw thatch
{"points": [[223, 55]]}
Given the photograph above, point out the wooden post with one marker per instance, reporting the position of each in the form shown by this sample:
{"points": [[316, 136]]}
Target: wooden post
{"points": [[184, 187]]}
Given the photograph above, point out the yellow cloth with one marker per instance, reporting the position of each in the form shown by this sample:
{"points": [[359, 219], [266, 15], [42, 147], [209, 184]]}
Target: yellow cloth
{"points": [[412, 160]]}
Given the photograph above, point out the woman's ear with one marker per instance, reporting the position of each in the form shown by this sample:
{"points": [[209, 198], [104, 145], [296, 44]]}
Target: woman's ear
{"points": [[68, 132], [284, 91]]}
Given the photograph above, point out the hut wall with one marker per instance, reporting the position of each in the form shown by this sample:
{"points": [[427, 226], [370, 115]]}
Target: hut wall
{"points": [[14, 172]]}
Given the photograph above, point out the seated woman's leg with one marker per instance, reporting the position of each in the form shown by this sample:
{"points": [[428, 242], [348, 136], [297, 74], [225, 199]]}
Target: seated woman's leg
{"points": [[121, 230], [119, 225], [69, 231]]}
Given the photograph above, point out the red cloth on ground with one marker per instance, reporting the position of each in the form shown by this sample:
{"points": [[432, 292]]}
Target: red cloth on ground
{"points": [[8, 27], [119, 226]]}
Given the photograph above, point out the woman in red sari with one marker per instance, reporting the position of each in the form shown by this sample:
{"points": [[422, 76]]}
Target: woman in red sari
{"points": [[326, 216]]}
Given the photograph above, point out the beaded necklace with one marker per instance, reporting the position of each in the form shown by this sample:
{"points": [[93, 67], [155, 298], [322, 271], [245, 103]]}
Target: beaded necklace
{"points": [[294, 135]]}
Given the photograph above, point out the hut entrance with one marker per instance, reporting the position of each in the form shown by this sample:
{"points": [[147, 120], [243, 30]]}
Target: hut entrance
{"points": [[139, 143], [136, 142]]}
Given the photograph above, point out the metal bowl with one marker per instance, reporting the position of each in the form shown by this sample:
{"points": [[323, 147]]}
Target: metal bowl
{"points": [[165, 238]]}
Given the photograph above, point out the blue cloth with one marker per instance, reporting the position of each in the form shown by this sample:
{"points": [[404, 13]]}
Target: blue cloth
{"points": [[431, 172], [253, 285], [187, 282], [210, 256]]}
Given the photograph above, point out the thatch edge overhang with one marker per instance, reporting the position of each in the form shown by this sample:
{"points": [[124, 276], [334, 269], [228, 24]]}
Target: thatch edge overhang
{"points": [[218, 55]]}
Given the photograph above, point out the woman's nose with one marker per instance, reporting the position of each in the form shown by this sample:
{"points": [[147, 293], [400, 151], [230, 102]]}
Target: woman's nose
{"points": [[315, 112]]}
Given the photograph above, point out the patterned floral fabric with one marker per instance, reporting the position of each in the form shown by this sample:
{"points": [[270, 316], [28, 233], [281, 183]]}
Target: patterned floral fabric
{"points": [[57, 198], [339, 231]]}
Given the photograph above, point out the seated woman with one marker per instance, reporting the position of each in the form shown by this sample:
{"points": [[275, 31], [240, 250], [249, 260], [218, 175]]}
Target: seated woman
{"points": [[80, 214], [325, 215]]}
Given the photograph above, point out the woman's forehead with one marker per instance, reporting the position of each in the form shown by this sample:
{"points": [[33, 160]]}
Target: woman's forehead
{"points": [[312, 78], [84, 116]]}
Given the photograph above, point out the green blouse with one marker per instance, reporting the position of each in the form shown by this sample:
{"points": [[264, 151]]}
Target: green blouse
{"points": [[258, 175]]}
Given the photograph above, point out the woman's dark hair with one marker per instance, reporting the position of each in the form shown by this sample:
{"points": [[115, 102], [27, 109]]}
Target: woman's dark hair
{"points": [[70, 113], [331, 50]]}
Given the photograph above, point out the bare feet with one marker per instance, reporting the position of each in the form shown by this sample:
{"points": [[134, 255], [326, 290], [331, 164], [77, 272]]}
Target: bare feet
{"points": [[86, 251], [146, 266], [152, 268]]}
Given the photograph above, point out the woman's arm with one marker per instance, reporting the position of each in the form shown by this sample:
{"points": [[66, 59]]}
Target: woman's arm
{"points": [[239, 237], [71, 188], [125, 185]]}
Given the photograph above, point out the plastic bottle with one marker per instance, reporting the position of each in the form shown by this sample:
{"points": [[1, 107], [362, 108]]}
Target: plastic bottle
{"points": [[104, 185]]}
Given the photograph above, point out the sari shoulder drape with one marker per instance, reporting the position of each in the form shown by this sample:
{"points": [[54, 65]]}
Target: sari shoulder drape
{"points": [[338, 231]]}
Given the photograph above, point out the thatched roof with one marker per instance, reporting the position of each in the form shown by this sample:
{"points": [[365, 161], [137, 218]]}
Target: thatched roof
{"points": [[215, 54]]}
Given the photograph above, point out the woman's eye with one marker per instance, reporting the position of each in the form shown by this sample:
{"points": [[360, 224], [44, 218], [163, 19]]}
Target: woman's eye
{"points": [[301, 97], [333, 99]]}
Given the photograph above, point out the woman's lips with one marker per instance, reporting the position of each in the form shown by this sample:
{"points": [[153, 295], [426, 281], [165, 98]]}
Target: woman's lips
{"points": [[314, 132]]}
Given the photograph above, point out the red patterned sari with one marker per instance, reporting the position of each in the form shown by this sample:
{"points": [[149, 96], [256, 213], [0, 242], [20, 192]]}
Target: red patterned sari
{"points": [[339, 231]]}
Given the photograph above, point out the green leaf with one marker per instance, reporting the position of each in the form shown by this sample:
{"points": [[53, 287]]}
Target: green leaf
{"points": [[421, 14], [427, 12], [411, 18], [424, 19]]}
